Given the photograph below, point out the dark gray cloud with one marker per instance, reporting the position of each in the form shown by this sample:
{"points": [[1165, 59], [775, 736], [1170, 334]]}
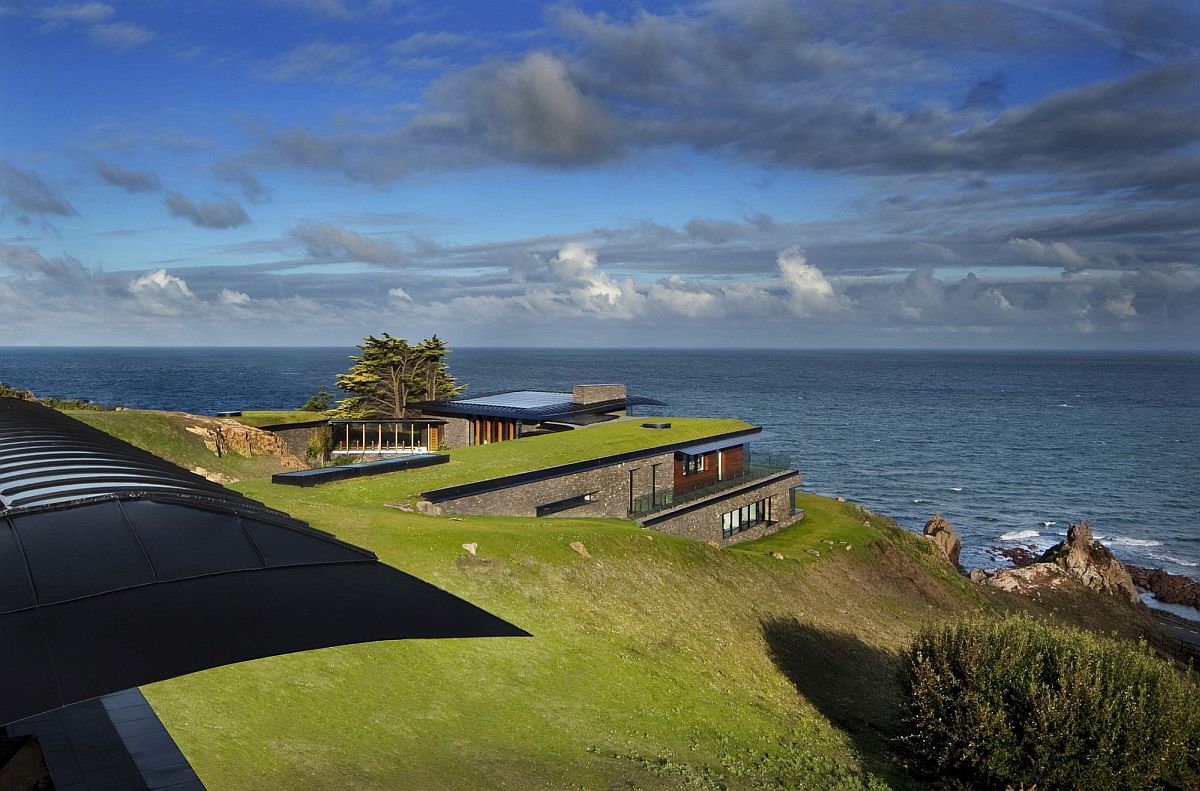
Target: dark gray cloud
{"points": [[252, 189], [129, 180], [225, 214], [25, 191], [988, 92], [322, 240], [23, 260]]}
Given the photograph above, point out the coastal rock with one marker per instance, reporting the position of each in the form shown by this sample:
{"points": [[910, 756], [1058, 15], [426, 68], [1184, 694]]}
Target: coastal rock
{"points": [[1166, 587], [223, 435], [1030, 580], [777, 555], [938, 530], [1090, 562], [1020, 556]]}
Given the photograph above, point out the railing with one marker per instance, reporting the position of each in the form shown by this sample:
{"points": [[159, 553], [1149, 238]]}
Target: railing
{"points": [[756, 467]]}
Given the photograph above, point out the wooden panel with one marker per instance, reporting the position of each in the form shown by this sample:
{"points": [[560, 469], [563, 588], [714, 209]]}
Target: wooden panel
{"points": [[697, 480], [734, 462]]}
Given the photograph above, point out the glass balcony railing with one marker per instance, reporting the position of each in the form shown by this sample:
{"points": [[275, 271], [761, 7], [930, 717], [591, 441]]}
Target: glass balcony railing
{"points": [[756, 467]]}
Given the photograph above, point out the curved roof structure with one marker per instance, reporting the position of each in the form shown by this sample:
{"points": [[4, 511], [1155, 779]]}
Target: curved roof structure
{"points": [[119, 569]]}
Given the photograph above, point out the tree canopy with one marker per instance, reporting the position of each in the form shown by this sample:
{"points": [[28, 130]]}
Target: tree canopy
{"points": [[391, 373]]}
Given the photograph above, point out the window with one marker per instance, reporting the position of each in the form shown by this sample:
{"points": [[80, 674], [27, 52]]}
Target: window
{"points": [[746, 517], [693, 464]]}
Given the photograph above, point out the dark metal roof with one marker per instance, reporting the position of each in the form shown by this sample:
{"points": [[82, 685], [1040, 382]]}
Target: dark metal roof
{"points": [[529, 405], [118, 569]]}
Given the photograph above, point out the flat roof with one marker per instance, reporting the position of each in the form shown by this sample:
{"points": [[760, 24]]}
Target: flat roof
{"points": [[530, 405]]}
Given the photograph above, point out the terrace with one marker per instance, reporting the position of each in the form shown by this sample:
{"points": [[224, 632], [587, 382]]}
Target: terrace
{"points": [[758, 467]]}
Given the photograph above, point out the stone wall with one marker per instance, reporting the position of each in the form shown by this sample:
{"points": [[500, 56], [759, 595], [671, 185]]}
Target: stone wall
{"points": [[594, 394], [610, 484], [297, 438], [702, 520], [456, 433]]}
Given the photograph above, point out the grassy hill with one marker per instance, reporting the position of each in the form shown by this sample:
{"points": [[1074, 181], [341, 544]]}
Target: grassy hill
{"points": [[657, 662]]}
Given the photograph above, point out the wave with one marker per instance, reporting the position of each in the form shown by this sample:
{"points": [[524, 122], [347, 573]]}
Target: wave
{"points": [[1018, 535], [1049, 524], [918, 500], [956, 488], [1068, 406], [1122, 541]]}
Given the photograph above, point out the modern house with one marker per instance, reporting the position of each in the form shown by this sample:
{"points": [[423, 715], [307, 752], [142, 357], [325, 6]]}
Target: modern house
{"points": [[716, 489], [458, 423], [499, 417]]}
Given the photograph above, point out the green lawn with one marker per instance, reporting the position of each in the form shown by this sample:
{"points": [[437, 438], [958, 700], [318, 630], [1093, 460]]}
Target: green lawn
{"points": [[481, 462], [657, 663], [261, 418]]}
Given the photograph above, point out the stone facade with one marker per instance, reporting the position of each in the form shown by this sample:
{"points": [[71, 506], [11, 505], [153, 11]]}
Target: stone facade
{"points": [[608, 484], [298, 437], [611, 489], [595, 394], [701, 519], [456, 433]]}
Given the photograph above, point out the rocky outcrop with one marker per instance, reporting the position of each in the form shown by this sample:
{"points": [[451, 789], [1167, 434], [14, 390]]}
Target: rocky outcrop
{"points": [[1166, 587], [222, 436], [1081, 558], [1090, 562], [938, 530]]}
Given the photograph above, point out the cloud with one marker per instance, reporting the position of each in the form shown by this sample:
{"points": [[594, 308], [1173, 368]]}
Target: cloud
{"points": [[226, 214], [121, 36], [230, 297], [400, 294], [1054, 253], [988, 93], [163, 294], [129, 180], [322, 240], [28, 261], [808, 290], [533, 111], [25, 191], [80, 13], [338, 61], [252, 188]]}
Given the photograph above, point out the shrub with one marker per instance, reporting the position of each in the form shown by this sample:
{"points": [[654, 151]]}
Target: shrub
{"points": [[1018, 703]]}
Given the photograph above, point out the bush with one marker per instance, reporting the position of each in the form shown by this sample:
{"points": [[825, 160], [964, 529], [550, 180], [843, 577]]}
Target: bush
{"points": [[1018, 703]]}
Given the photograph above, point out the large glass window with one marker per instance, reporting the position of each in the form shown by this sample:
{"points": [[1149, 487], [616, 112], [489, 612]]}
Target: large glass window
{"points": [[745, 517], [693, 464]]}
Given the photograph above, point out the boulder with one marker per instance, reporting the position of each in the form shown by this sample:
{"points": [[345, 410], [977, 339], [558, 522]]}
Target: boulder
{"points": [[938, 530], [1090, 562], [580, 548], [1166, 587]]}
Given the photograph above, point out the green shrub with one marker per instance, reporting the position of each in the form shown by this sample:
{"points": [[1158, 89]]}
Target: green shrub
{"points": [[1020, 703]]}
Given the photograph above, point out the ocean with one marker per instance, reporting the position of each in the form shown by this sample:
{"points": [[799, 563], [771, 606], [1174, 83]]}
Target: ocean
{"points": [[1009, 446]]}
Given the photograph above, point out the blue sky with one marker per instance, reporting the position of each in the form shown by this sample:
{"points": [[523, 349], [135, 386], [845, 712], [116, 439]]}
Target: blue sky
{"points": [[884, 174]]}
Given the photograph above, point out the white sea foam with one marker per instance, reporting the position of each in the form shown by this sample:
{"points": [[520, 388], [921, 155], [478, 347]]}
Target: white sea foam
{"points": [[1122, 541], [1048, 524], [1172, 559], [956, 488], [1019, 535], [1068, 406], [918, 500]]}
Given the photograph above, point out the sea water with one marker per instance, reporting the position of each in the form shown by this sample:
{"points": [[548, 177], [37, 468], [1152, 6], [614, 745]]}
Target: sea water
{"points": [[1010, 447]]}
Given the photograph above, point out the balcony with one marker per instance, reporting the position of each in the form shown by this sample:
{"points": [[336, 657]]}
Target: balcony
{"points": [[757, 467]]}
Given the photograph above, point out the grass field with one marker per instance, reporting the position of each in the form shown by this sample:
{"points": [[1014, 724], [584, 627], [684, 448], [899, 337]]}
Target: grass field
{"points": [[278, 417], [657, 663]]}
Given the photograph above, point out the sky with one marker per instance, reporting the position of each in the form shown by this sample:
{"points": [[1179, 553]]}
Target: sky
{"points": [[735, 173]]}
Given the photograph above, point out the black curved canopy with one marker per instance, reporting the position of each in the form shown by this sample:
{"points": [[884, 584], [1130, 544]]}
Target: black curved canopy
{"points": [[119, 569]]}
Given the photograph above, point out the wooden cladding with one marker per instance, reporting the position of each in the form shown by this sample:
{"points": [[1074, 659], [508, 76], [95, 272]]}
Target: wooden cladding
{"points": [[493, 429], [697, 471]]}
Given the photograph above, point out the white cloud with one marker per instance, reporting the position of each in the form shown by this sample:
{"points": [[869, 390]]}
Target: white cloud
{"points": [[231, 297], [1054, 253], [400, 294], [121, 36], [808, 290]]}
